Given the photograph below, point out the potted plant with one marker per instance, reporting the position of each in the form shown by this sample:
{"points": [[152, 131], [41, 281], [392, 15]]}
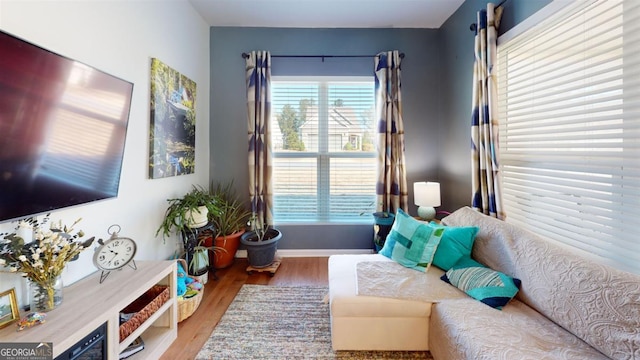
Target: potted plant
{"points": [[261, 243], [197, 256], [184, 216], [229, 224], [190, 211]]}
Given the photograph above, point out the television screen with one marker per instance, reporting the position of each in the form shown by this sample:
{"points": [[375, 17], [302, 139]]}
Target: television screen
{"points": [[62, 130]]}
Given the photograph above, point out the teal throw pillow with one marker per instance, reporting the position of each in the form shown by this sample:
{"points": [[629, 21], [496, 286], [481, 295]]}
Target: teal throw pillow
{"points": [[456, 243], [411, 243], [481, 283]]}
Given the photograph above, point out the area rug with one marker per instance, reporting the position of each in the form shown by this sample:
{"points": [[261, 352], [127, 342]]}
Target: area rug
{"points": [[277, 322]]}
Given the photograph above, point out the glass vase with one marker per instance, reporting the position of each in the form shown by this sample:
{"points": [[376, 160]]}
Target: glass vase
{"points": [[45, 296]]}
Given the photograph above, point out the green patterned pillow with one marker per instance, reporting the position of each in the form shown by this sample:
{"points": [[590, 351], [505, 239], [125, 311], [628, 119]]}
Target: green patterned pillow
{"points": [[481, 283], [411, 243], [457, 242]]}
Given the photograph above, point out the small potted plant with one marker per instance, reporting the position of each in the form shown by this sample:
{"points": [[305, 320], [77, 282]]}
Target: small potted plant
{"points": [[229, 223], [190, 211], [261, 243], [184, 214], [198, 257]]}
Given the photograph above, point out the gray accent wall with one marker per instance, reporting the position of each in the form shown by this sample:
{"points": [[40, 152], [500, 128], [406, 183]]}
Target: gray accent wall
{"points": [[436, 80], [421, 101]]}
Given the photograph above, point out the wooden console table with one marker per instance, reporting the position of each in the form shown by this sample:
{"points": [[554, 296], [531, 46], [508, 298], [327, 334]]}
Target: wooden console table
{"points": [[88, 304]]}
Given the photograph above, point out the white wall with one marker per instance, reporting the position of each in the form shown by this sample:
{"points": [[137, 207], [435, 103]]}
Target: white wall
{"points": [[120, 38]]}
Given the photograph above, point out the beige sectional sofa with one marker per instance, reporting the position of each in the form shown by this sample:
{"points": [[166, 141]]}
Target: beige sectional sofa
{"points": [[568, 306]]}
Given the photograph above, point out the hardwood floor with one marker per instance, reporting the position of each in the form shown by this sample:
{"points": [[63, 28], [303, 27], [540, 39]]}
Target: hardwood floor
{"points": [[218, 294]]}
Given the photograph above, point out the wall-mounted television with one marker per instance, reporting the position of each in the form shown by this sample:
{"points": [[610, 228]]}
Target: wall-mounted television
{"points": [[63, 126]]}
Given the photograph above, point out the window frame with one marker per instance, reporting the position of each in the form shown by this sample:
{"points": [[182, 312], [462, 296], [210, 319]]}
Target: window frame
{"points": [[323, 155]]}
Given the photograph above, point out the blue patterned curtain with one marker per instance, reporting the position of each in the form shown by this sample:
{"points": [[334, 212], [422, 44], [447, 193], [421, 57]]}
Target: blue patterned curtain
{"points": [[486, 177], [258, 73], [391, 187]]}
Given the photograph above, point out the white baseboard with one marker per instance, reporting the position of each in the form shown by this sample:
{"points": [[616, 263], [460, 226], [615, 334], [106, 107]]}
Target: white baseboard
{"points": [[312, 252]]}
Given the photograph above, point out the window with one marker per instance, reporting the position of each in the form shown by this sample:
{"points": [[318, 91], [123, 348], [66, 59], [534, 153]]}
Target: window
{"points": [[569, 92], [324, 158]]}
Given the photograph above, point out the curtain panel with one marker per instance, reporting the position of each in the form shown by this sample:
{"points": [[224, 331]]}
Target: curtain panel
{"points": [[258, 77], [486, 177], [391, 186]]}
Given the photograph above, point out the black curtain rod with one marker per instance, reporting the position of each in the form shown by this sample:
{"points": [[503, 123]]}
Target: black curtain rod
{"points": [[474, 26], [245, 55]]}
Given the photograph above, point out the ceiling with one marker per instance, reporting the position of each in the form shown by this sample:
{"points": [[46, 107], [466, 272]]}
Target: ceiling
{"points": [[327, 13]]}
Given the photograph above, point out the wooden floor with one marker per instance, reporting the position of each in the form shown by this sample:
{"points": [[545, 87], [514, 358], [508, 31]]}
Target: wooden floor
{"points": [[194, 331]]}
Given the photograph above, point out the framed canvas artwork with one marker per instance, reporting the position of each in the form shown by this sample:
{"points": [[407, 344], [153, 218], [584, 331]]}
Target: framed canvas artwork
{"points": [[173, 122]]}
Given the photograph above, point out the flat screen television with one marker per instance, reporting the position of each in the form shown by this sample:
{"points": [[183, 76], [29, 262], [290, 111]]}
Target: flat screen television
{"points": [[63, 126]]}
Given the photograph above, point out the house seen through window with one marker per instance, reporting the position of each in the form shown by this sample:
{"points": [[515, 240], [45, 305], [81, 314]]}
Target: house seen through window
{"points": [[324, 159]]}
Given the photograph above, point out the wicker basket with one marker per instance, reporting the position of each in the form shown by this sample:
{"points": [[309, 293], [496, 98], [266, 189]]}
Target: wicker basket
{"points": [[186, 307], [143, 307]]}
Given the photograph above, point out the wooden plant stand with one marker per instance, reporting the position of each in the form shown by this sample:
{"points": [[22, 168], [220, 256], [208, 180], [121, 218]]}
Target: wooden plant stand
{"points": [[271, 268]]}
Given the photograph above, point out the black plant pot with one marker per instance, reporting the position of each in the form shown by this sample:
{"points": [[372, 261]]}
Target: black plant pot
{"points": [[261, 254]]}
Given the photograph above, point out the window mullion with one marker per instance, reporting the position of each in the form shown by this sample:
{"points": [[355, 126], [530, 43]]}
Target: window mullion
{"points": [[324, 179], [323, 116]]}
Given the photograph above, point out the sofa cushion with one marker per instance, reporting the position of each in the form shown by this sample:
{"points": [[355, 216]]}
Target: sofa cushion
{"points": [[467, 329], [490, 287], [346, 302], [597, 303], [372, 322], [456, 243], [411, 243], [392, 280]]}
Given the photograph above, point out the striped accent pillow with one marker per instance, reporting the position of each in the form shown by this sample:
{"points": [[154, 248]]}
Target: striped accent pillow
{"points": [[481, 283]]}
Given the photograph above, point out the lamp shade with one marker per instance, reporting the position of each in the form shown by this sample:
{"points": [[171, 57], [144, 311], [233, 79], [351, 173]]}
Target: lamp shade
{"points": [[426, 193]]}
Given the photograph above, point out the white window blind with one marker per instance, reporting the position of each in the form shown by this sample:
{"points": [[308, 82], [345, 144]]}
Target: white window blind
{"points": [[569, 111], [324, 159]]}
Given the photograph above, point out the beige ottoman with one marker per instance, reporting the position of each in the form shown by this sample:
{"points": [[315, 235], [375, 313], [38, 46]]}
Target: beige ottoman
{"points": [[368, 322]]}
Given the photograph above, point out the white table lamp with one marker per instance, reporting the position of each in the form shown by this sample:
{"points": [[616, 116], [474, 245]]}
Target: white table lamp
{"points": [[427, 196]]}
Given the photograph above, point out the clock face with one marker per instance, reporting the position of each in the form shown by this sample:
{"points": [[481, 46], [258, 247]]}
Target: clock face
{"points": [[115, 253]]}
